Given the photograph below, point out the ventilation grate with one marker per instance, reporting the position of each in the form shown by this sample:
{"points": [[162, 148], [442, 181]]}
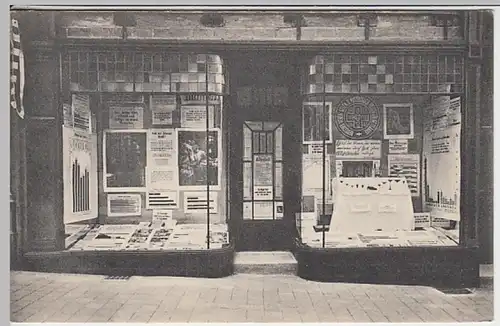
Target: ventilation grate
{"points": [[455, 291], [117, 277]]}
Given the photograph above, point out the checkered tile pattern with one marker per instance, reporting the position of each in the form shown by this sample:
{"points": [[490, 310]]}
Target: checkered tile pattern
{"points": [[343, 73], [151, 72]]}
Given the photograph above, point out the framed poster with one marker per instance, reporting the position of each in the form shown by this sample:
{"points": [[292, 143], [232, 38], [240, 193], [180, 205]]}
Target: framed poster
{"points": [[195, 116], [313, 118], [199, 158], [124, 166], [124, 205], [162, 108], [161, 150], [398, 121], [407, 166]]}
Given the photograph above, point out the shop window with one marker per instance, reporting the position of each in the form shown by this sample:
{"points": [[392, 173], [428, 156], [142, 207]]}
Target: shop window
{"points": [[159, 137], [383, 169]]}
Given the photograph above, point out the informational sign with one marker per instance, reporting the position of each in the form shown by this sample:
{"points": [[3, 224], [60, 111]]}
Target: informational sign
{"points": [[81, 113], [247, 210], [196, 116], [308, 207], [407, 166], [247, 141], [79, 176], [279, 210], [124, 205], [313, 173], [278, 180], [358, 149], [161, 178], [422, 220], [263, 210], [200, 99], [370, 204], [398, 121], [197, 202], [162, 199], [263, 177], [161, 147], [162, 214], [126, 117], [441, 156], [398, 146], [162, 108], [316, 148], [199, 158]]}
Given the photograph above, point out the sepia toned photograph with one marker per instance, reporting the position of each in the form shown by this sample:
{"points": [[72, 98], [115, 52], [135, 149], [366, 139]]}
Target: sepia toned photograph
{"points": [[257, 164]]}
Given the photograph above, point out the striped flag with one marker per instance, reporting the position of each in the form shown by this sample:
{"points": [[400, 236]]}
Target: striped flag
{"points": [[16, 70]]}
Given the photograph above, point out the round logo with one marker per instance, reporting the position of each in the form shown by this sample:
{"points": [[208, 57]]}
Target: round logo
{"points": [[357, 117]]}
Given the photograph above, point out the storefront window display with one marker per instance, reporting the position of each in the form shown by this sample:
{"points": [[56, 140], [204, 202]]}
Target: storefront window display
{"points": [[145, 149], [381, 150]]}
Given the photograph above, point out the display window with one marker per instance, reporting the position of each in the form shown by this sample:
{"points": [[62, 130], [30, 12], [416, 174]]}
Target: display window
{"points": [[145, 151], [384, 167]]}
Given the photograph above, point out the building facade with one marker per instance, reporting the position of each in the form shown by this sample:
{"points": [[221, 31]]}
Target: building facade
{"points": [[178, 137]]}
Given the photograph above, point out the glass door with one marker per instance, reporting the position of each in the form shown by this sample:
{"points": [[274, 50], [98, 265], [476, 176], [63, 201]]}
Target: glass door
{"points": [[262, 170]]}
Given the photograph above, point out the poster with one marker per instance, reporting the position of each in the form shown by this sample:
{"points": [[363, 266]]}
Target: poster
{"points": [[441, 173], [81, 113], [162, 108], [263, 177], [80, 176], [199, 158], [126, 117], [196, 202], [162, 199], [161, 147], [247, 141], [200, 99], [247, 210], [407, 166], [313, 173], [398, 146], [67, 115], [316, 122], [441, 159], [278, 180], [161, 178], [308, 209], [124, 205], [124, 161], [279, 210], [195, 116], [398, 121], [162, 214], [263, 210], [358, 149], [316, 148]]}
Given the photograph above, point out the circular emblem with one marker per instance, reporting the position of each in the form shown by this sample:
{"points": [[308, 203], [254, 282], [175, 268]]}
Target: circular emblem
{"points": [[357, 117]]}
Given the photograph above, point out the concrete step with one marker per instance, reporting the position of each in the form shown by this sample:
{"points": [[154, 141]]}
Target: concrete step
{"points": [[265, 263]]}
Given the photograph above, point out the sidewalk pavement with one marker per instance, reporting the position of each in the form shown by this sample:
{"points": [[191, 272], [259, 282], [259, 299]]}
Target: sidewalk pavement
{"points": [[44, 297]]}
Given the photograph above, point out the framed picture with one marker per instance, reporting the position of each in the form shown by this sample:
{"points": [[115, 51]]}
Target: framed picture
{"points": [[199, 158], [398, 121], [313, 118], [124, 155]]}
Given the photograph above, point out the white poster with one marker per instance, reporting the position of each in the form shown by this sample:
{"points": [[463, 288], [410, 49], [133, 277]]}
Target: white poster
{"points": [[162, 199], [80, 176], [162, 214], [263, 210], [313, 173], [162, 108], [81, 113], [279, 210], [358, 149], [200, 99], [161, 178], [67, 115], [316, 148], [247, 210], [195, 116], [407, 166], [161, 147], [398, 146], [126, 117], [124, 205], [263, 177], [196, 202], [441, 173]]}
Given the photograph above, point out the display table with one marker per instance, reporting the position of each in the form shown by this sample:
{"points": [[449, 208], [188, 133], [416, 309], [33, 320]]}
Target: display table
{"points": [[139, 250]]}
